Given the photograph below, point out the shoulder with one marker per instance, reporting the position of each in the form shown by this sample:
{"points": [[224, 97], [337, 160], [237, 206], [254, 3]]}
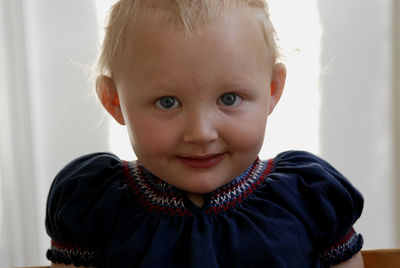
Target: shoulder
{"points": [[84, 178], [90, 165], [322, 198], [83, 203], [299, 159], [83, 175], [309, 168], [87, 171], [312, 176]]}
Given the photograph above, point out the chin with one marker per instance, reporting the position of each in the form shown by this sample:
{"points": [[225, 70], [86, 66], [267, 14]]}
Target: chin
{"points": [[202, 188]]}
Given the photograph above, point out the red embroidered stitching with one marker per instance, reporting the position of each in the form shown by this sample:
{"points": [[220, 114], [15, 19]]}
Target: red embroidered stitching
{"points": [[170, 203]]}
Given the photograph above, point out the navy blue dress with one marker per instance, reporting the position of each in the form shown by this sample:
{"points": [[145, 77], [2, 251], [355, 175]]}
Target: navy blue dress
{"points": [[292, 211]]}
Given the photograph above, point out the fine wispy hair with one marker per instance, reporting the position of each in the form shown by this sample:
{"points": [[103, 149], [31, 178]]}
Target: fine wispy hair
{"points": [[185, 15]]}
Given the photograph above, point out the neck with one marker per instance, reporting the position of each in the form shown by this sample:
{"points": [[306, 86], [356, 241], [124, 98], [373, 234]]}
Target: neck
{"points": [[197, 199]]}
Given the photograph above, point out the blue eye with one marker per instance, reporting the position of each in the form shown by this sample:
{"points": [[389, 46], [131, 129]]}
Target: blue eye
{"points": [[229, 99], [167, 103]]}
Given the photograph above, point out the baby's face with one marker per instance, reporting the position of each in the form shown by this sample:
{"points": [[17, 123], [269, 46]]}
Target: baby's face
{"points": [[196, 105]]}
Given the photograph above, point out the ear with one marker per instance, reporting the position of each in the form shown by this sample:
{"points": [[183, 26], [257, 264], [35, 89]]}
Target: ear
{"points": [[108, 96], [278, 79]]}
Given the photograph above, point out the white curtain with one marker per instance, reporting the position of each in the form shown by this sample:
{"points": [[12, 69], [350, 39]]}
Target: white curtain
{"points": [[48, 114], [19, 223], [358, 134], [47, 110]]}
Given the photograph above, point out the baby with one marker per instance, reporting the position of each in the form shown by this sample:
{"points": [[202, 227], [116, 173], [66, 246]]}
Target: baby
{"points": [[194, 81]]}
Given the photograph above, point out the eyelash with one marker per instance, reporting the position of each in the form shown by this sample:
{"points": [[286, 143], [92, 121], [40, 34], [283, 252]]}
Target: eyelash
{"points": [[159, 103], [236, 100], [174, 103]]}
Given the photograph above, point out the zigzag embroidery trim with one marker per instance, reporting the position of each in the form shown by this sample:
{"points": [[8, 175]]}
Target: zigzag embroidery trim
{"points": [[72, 253], [153, 193], [235, 192], [342, 247], [159, 196]]}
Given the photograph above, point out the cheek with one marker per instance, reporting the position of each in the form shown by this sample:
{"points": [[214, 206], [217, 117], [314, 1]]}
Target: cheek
{"points": [[247, 133], [149, 136]]}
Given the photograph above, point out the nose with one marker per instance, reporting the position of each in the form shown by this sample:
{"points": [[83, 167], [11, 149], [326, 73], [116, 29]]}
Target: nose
{"points": [[200, 127]]}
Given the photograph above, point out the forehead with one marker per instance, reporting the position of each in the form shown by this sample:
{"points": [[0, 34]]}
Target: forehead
{"points": [[234, 41], [192, 23]]}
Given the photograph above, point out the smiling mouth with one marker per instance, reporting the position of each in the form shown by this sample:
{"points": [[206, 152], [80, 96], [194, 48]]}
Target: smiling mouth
{"points": [[203, 161]]}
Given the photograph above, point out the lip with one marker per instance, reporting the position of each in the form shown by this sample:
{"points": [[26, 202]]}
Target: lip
{"points": [[201, 161]]}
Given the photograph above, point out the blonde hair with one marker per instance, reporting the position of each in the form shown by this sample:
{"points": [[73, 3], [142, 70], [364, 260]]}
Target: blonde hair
{"points": [[184, 14]]}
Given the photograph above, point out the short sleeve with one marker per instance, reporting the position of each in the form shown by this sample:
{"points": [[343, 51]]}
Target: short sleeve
{"points": [[325, 201], [82, 206]]}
